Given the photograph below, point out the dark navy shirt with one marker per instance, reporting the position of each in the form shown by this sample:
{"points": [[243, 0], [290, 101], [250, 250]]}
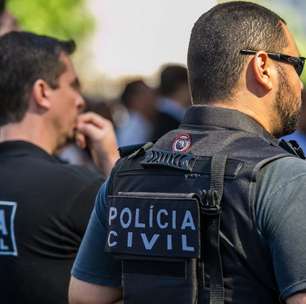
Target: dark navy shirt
{"points": [[280, 215]]}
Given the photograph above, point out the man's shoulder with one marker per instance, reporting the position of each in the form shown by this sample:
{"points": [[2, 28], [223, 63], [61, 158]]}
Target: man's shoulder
{"points": [[34, 162], [280, 215], [62, 175], [277, 182], [280, 173], [284, 169], [62, 170], [78, 172]]}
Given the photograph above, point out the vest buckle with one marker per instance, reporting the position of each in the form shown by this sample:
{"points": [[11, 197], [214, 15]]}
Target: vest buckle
{"points": [[209, 203]]}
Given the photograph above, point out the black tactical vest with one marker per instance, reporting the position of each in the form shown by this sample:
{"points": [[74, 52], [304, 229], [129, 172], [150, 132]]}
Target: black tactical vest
{"points": [[181, 213]]}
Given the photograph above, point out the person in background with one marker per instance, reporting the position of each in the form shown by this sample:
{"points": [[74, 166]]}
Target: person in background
{"points": [[44, 203], [299, 135], [71, 152], [139, 99], [173, 101]]}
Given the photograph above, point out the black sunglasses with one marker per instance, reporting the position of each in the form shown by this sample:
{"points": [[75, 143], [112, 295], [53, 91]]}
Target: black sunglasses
{"points": [[297, 62]]}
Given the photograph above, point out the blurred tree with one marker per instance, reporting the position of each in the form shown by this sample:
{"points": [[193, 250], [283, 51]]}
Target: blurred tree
{"points": [[62, 19]]}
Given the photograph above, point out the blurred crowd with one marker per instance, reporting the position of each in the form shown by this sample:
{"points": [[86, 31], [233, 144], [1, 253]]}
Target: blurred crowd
{"points": [[142, 113]]}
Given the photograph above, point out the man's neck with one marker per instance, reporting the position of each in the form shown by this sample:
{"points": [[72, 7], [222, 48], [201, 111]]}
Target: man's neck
{"points": [[248, 108], [34, 133]]}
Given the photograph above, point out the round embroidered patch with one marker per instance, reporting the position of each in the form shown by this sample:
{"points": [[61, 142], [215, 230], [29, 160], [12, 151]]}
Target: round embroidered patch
{"points": [[181, 143]]}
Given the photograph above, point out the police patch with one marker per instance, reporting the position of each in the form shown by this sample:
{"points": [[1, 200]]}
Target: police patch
{"points": [[181, 143], [7, 233], [153, 224]]}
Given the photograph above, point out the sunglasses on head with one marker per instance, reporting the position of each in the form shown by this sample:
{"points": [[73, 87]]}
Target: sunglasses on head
{"points": [[296, 62]]}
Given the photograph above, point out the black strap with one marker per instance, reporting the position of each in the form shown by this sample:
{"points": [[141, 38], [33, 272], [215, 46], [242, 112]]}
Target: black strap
{"points": [[211, 210], [292, 147]]}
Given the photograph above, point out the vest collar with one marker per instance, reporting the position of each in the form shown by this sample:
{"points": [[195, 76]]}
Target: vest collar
{"points": [[205, 117]]}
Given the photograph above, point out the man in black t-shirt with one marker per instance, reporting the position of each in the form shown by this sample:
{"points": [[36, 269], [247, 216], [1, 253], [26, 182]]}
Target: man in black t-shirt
{"points": [[44, 203]]}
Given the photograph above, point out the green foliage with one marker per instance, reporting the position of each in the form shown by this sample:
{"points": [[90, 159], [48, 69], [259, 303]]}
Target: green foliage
{"points": [[64, 19], [301, 43]]}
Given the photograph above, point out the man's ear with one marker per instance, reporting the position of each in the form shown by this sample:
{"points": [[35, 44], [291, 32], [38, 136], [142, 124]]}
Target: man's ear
{"points": [[263, 70], [41, 94]]}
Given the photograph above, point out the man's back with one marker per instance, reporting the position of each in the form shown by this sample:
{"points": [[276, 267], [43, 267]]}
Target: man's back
{"points": [[44, 210], [251, 206]]}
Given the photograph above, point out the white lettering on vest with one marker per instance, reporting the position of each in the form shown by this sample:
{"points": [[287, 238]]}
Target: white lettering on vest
{"points": [[3, 228], [112, 214], [114, 243], [169, 242], [174, 219], [188, 221], [7, 229], [3, 246], [158, 218], [128, 212], [151, 216], [149, 244], [138, 224], [130, 240], [185, 247]]}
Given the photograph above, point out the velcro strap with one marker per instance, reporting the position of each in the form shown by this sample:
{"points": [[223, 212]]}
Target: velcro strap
{"points": [[187, 162]]}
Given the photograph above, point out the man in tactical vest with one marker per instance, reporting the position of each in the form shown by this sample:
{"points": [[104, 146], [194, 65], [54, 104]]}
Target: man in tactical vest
{"points": [[213, 212]]}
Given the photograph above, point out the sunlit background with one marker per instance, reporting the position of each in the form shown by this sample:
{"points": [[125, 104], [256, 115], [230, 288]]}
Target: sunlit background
{"points": [[119, 39]]}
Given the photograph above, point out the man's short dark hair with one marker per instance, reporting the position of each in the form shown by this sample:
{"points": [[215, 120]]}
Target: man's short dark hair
{"points": [[214, 59], [172, 77], [24, 58]]}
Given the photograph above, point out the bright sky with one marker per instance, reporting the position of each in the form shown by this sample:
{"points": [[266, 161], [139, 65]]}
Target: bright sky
{"points": [[137, 36]]}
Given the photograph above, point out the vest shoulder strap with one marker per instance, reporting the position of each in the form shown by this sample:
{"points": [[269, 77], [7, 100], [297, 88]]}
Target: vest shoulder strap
{"points": [[292, 147], [211, 210]]}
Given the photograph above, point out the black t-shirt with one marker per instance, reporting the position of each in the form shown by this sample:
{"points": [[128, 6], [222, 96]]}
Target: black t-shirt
{"points": [[44, 210]]}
